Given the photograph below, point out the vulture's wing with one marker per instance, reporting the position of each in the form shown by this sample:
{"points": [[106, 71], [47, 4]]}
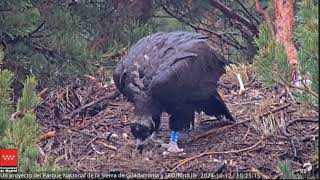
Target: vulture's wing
{"points": [[192, 80], [174, 68], [189, 78]]}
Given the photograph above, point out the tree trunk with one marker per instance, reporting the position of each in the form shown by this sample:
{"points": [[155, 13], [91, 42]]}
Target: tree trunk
{"points": [[284, 19]]}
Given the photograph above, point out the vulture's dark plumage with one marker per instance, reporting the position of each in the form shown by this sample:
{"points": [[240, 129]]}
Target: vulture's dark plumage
{"points": [[174, 72]]}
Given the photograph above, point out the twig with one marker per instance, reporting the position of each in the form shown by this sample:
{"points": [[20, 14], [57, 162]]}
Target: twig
{"points": [[211, 131], [110, 96], [42, 158], [247, 11], [285, 133], [288, 92], [47, 135], [88, 134], [43, 92], [184, 161], [240, 83], [264, 13], [294, 148], [305, 89], [300, 88], [245, 136], [115, 54], [90, 142], [283, 128], [85, 98], [310, 137], [90, 77], [107, 145], [233, 15], [17, 114], [275, 110], [292, 121]]}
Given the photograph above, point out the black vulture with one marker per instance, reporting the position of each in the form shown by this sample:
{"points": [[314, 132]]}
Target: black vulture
{"points": [[175, 72]]}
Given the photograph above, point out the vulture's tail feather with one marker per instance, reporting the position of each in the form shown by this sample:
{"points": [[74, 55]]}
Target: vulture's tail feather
{"points": [[215, 106]]}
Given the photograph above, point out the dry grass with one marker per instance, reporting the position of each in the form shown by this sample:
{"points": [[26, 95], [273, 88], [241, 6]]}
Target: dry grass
{"points": [[268, 125], [246, 72]]}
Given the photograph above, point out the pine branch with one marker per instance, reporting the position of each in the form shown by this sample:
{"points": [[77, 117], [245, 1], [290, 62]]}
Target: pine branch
{"points": [[232, 15], [246, 10], [264, 13]]}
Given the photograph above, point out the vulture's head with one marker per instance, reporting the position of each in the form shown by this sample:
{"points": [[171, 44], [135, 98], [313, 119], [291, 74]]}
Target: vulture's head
{"points": [[142, 128]]}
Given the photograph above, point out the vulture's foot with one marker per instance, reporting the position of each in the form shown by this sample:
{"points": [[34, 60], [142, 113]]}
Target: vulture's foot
{"points": [[155, 139], [172, 147]]}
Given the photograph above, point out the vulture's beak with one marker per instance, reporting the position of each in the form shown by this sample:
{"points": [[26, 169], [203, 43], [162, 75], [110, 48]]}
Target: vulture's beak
{"points": [[140, 148], [140, 145]]}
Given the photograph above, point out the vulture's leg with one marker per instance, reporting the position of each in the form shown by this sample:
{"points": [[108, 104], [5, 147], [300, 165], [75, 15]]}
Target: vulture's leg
{"points": [[179, 120], [156, 119], [190, 124], [173, 144]]}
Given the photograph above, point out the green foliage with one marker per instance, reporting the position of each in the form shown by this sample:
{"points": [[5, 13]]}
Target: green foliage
{"points": [[59, 40], [124, 37], [1, 55], [29, 99], [24, 132], [5, 107], [307, 38], [271, 61], [271, 64], [286, 170], [129, 34], [21, 20], [43, 40], [24, 135], [235, 43], [169, 24]]}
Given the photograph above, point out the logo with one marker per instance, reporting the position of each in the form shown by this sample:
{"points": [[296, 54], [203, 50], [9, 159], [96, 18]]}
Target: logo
{"points": [[8, 160], [307, 167]]}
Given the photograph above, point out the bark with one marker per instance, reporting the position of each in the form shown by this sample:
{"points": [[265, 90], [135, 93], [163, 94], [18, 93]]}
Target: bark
{"points": [[263, 13], [284, 24]]}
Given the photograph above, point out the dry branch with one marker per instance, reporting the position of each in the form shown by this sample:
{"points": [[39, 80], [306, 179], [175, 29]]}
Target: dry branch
{"points": [[184, 161], [212, 131], [290, 136], [305, 89], [43, 92], [110, 96], [47, 135], [295, 120], [76, 130], [233, 15], [275, 110], [86, 96], [107, 145], [245, 136]]}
